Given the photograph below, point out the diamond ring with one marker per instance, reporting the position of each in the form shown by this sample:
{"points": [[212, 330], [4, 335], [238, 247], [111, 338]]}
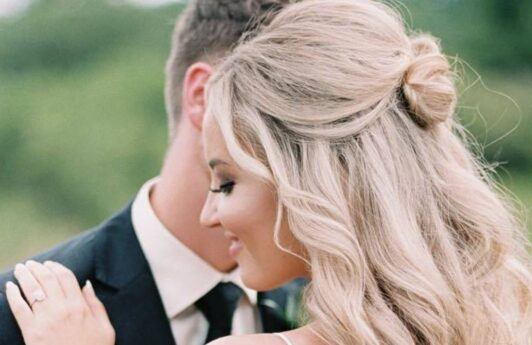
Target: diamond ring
{"points": [[38, 296]]}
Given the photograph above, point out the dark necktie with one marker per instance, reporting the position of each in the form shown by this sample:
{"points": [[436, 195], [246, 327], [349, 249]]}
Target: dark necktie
{"points": [[218, 307]]}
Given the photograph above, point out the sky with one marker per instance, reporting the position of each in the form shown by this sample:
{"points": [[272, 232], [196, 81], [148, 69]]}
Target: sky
{"points": [[16, 7]]}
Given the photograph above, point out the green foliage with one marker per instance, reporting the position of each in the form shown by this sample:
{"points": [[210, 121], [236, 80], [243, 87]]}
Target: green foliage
{"points": [[59, 35], [492, 34], [82, 120], [489, 40]]}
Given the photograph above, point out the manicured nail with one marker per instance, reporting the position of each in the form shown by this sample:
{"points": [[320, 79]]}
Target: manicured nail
{"points": [[18, 267], [89, 286], [31, 262], [10, 285]]}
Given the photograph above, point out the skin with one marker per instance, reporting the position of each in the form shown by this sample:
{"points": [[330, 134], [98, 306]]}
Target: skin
{"points": [[66, 315], [246, 213], [184, 181]]}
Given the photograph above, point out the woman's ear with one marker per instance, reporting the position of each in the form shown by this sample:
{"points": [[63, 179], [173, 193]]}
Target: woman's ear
{"points": [[196, 78]]}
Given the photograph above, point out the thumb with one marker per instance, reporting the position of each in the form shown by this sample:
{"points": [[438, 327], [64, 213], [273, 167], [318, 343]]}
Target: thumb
{"points": [[95, 305]]}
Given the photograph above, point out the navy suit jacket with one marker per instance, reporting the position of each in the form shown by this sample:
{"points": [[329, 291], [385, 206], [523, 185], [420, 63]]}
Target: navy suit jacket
{"points": [[111, 258]]}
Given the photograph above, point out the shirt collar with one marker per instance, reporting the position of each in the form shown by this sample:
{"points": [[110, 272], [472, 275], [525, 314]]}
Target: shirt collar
{"points": [[181, 276]]}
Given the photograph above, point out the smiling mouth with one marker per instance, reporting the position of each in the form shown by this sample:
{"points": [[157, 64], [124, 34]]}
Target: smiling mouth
{"points": [[236, 244]]}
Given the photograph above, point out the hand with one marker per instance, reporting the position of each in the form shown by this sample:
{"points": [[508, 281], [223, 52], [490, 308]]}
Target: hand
{"points": [[58, 312]]}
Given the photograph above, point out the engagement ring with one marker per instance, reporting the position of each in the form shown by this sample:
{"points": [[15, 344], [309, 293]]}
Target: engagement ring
{"points": [[38, 296]]}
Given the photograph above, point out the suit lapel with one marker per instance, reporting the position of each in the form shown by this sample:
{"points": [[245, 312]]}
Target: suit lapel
{"points": [[125, 284], [137, 314]]}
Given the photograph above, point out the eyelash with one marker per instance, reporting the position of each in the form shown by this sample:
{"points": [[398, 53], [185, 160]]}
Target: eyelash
{"points": [[225, 188]]}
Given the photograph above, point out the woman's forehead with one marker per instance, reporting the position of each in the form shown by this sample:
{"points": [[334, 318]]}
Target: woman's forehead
{"points": [[213, 141]]}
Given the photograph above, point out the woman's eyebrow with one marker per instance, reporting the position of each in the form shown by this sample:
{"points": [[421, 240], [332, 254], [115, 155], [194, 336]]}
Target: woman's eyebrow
{"points": [[214, 162]]}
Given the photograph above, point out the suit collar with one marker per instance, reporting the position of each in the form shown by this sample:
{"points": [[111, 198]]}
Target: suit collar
{"points": [[125, 284], [119, 259], [137, 313]]}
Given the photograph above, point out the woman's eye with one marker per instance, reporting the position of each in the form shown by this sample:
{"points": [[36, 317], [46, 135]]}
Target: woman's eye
{"points": [[225, 188]]}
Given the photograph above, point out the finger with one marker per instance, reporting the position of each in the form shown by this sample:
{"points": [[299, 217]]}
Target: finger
{"points": [[46, 278], [21, 310], [96, 306], [67, 280], [29, 285]]}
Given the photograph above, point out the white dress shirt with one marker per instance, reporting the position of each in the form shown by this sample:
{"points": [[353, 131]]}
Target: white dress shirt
{"points": [[182, 277]]}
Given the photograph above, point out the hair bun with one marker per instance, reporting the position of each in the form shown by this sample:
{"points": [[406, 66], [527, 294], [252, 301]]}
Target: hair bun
{"points": [[427, 85]]}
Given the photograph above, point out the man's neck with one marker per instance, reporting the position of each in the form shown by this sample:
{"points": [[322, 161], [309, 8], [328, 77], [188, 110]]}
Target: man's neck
{"points": [[177, 200]]}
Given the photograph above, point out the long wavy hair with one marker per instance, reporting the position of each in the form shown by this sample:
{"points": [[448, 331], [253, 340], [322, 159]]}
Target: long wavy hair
{"points": [[351, 118]]}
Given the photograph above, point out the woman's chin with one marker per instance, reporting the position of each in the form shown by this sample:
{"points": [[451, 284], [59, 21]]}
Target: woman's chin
{"points": [[256, 283], [256, 279]]}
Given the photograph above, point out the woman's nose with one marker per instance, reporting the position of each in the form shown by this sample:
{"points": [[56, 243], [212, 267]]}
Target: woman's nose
{"points": [[209, 217]]}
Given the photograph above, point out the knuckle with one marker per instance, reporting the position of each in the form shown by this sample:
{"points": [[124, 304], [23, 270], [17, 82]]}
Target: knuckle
{"points": [[78, 309], [47, 277], [45, 325], [63, 275], [61, 314], [70, 312], [16, 308]]}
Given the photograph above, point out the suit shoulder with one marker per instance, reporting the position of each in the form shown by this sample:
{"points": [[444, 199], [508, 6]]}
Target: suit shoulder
{"points": [[78, 254], [77, 251], [255, 339]]}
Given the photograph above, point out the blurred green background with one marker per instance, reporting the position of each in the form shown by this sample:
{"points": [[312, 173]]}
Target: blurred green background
{"points": [[82, 120]]}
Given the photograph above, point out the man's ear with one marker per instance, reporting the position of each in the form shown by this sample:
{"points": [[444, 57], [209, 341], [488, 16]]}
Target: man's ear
{"points": [[196, 78]]}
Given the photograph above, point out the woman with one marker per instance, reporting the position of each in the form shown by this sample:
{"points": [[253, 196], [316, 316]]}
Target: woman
{"points": [[334, 155]]}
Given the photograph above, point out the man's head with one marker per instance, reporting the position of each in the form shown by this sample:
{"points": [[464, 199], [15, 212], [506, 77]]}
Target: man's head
{"points": [[206, 31]]}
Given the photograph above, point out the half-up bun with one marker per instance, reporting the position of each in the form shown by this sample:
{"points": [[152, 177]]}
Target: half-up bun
{"points": [[428, 86]]}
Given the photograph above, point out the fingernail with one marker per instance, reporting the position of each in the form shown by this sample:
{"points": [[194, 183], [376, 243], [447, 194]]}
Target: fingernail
{"points": [[47, 263], [18, 267], [88, 284], [30, 262], [10, 285]]}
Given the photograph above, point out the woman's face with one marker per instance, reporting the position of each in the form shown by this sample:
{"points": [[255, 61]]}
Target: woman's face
{"points": [[244, 207]]}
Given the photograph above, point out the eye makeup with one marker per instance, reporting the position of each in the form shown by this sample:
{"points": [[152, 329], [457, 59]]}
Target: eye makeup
{"points": [[225, 188]]}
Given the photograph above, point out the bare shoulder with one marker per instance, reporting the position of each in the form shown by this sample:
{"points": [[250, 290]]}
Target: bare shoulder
{"points": [[255, 339]]}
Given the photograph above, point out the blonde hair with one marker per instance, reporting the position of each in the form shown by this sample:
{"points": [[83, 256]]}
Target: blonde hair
{"points": [[351, 119]]}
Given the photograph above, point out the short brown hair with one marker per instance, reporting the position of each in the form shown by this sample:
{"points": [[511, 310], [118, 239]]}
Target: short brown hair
{"points": [[208, 29]]}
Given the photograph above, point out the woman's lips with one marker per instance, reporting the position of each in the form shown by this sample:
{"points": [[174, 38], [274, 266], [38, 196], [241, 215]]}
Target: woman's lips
{"points": [[236, 245], [235, 248]]}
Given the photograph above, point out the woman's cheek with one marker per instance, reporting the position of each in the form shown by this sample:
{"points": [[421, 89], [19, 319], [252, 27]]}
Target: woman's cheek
{"points": [[242, 209]]}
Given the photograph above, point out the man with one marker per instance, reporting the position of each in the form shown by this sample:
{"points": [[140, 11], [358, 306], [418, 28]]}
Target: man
{"points": [[162, 277]]}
